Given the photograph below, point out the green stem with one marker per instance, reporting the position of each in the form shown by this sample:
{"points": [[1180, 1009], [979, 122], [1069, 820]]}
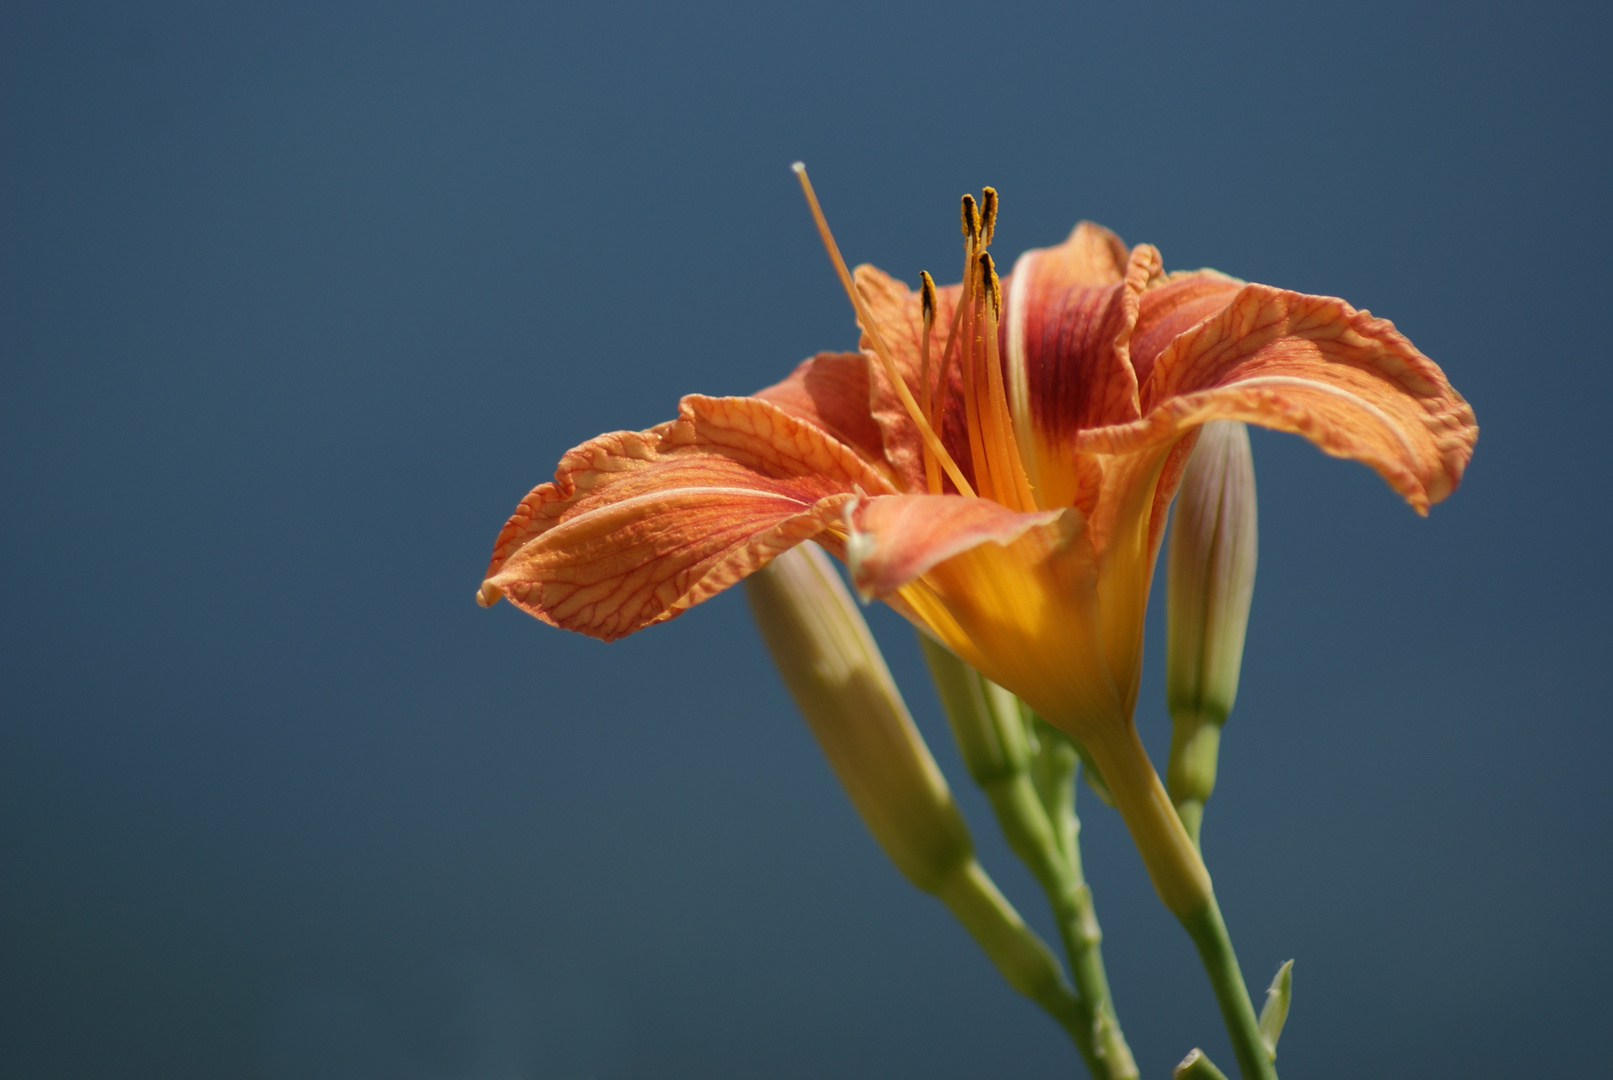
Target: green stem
{"points": [[1209, 934], [1179, 876], [1041, 828], [1021, 956], [1190, 774], [1030, 835], [1195, 1066]]}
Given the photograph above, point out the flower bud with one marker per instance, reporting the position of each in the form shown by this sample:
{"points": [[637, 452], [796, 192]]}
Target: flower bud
{"points": [[838, 677], [835, 672], [1210, 573]]}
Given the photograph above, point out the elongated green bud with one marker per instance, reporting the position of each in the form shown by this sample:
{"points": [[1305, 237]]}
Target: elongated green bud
{"points": [[838, 677], [1210, 573], [1275, 1012]]}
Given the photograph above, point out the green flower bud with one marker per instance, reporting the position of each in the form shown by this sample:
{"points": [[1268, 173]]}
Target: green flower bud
{"points": [[838, 677], [1210, 573]]}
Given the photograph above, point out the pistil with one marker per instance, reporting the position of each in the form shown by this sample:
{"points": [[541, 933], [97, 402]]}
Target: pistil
{"points": [[931, 441]]}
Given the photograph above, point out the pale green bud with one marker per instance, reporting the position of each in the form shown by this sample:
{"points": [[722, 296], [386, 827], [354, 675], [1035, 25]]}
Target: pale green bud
{"points": [[1210, 575], [1211, 572], [838, 677]]}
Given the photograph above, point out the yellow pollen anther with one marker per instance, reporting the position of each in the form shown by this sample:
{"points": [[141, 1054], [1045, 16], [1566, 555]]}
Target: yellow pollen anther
{"points": [[932, 443], [990, 283], [971, 219], [988, 215]]}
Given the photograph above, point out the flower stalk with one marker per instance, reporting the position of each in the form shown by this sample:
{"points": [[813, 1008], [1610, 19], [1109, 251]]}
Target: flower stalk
{"points": [[1041, 829], [1196, 1066], [1209, 933]]}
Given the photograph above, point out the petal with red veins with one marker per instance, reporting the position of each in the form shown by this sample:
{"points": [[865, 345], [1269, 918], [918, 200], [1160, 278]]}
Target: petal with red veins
{"points": [[1172, 306], [1068, 359], [637, 527], [1315, 366], [831, 391]]}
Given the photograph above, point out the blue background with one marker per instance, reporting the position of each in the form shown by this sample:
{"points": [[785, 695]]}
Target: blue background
{"points": [[298, 300]]}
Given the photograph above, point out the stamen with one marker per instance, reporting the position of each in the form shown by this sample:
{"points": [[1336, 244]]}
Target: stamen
{"points": [[993, 285], [960, 341], [932, 475], [931, 442], [1012, 486], [970, 377], [988, 216]]}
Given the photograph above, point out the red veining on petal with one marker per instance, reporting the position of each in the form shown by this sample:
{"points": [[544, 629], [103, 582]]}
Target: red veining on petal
{"points": [[639, 526]]}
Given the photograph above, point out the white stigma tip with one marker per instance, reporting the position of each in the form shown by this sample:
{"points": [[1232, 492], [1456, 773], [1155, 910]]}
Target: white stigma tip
{"points": [[799, 166]]}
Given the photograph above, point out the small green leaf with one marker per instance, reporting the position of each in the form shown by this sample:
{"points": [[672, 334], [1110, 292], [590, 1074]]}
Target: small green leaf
{"points": [[1275, 1012]]}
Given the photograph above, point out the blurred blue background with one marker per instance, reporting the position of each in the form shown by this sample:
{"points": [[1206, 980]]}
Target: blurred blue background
{"points": [[299, 299]]}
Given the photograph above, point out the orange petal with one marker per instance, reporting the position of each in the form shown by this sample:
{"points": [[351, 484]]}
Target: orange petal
{"points": [[640, 526], [831, 391], [901, 537], [1171, 307], [1068, 359], [1090, 256], [1015, 595], [1315, 366]]}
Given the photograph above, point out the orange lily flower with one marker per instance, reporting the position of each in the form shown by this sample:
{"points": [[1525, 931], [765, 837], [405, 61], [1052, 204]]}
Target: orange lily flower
{"points": [[997, 463]]}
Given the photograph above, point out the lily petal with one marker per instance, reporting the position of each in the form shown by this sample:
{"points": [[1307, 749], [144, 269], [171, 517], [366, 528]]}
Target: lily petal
{"points": [[1013, 594], [640, 526], [832, 392], [1315, 366], [1068, 358], [1090, 256], [898, 538], [1170, 308]]}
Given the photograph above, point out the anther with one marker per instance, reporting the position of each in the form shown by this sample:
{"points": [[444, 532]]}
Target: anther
{"points": [[988, 215], [927, 292], [971, 219], [991, 284]]}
